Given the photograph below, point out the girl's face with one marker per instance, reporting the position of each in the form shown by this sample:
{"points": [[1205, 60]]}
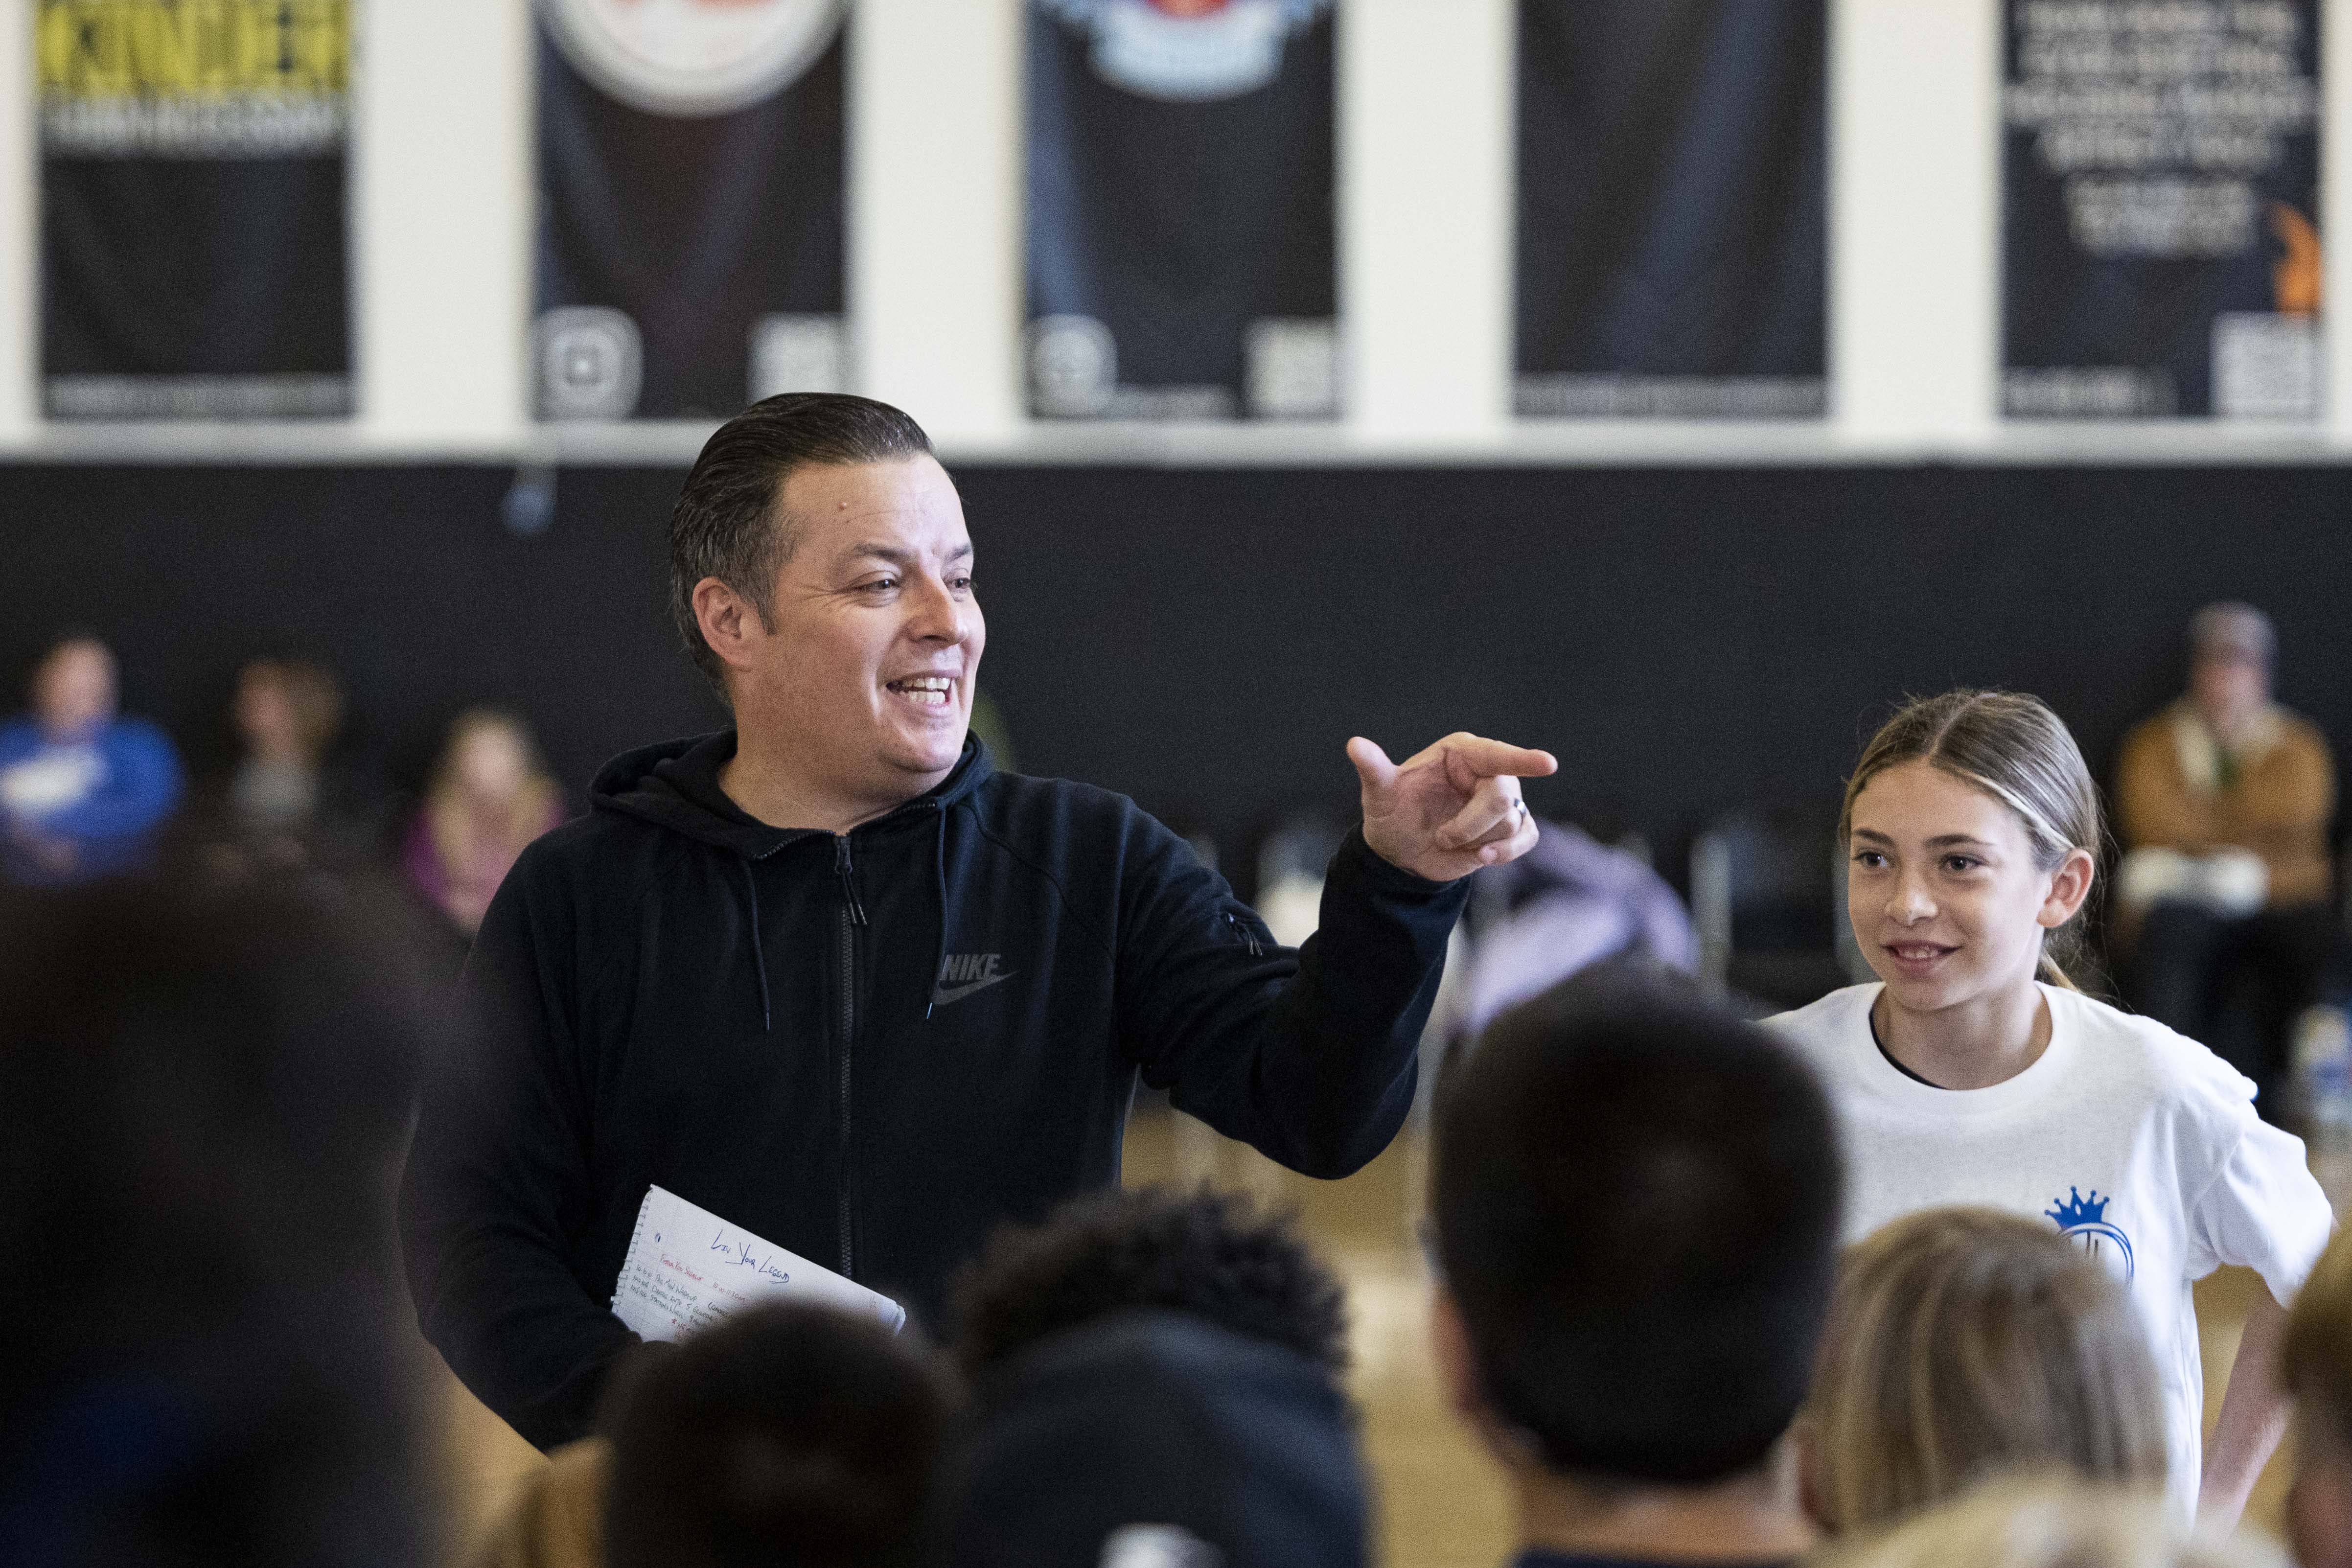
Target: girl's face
{"points": [[1946, 902], [490, 764]]}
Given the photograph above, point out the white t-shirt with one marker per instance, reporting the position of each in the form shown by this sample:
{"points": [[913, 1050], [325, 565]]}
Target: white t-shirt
{"points": [[2137, 1142]]}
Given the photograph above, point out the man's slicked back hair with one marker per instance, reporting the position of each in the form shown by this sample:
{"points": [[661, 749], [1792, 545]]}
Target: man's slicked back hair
{"points": [[727, 525], [1636, 1203]]}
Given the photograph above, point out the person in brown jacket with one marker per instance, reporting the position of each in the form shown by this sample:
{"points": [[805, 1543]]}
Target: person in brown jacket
{"points": [[2227, 913]]}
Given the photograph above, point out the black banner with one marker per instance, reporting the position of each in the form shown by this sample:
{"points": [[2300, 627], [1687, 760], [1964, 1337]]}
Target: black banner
{"points": [[194, 262], [2160, 171], [1672, 230], [691, 186], [1182, 255]]}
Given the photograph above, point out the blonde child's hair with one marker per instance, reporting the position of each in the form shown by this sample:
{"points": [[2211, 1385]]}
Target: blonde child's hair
{"points": [[2050, 1521], [1964, 1341], [2014, 749], [2315, 1351]]}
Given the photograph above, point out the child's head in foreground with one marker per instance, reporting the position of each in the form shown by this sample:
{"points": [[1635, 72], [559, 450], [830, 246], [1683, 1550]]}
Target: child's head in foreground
{"points": [[1635, 1200], [791, 1436], [1965, 1341], [2316, 1368]]}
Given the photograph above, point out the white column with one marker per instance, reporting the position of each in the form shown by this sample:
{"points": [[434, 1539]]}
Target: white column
{"points": [[20, 236], [935, 204], [2336, 213], [1914, 219], [442, 199], [1426, 105]]}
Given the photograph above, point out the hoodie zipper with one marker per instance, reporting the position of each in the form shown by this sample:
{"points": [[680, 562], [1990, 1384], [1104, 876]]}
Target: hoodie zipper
{"points": [[853, 915], [1248, 936]]}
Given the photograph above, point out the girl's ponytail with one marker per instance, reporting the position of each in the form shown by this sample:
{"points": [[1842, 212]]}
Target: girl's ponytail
{"points": [[2013, 748]]}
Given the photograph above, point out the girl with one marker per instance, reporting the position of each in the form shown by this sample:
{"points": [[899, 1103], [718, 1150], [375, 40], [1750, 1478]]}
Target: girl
{"points": [[1976, 1073], [489, 797]]}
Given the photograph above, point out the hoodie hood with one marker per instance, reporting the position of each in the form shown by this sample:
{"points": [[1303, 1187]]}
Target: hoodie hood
{"points": [[674, 785]]}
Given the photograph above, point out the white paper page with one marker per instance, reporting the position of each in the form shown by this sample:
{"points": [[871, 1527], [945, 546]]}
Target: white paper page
{"points": [[687, 1269]]}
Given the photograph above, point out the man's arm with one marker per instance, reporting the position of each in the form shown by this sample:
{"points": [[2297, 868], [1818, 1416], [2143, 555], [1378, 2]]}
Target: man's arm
{"points": [[1311, 1056], [497, 1185]]}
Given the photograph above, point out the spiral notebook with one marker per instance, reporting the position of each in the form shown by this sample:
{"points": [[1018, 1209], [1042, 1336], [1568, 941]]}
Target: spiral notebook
{"points": [[687, 1269]]}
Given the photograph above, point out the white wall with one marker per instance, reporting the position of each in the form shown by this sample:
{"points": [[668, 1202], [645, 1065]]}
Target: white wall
{"points": [[442, 210]]}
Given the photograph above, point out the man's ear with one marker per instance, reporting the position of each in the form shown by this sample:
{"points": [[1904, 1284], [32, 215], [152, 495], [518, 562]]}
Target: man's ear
{"points": [[729, 622]]}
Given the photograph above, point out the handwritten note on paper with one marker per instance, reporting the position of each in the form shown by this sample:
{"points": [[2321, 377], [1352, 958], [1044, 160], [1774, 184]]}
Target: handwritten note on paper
{"points": [[687, 1269]]}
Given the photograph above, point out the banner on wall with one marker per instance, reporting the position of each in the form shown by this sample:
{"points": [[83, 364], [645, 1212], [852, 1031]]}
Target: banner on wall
{"points": [[1673, 238], [2160, 170], [194, 255], [690, 217], [1182, 259]]}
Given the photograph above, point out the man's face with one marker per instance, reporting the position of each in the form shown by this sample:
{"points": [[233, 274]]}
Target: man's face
{"points": [[2229, 687], [73, 691], [875, 636]]}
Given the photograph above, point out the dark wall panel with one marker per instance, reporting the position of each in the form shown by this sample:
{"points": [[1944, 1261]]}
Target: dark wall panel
{"points": [[1685, 639]]}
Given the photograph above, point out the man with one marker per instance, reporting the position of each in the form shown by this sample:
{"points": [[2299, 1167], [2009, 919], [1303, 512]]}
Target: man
{"points": [[831, 976], [1635, 1201], [82, 792], [2224, 801]]}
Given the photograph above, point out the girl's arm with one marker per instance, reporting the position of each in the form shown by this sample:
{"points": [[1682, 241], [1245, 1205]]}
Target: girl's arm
{"points": [[2252, 1419]]}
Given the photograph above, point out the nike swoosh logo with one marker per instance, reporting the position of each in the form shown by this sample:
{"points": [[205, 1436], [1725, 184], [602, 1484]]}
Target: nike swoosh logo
{"points": [[943, 996]]}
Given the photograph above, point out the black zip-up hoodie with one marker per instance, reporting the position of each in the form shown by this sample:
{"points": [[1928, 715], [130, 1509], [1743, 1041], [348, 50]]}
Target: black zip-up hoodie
{"points": [[869, 1048]]}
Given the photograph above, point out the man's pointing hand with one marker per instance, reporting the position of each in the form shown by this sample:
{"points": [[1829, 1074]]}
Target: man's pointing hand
{"points": [[1448, 810]]}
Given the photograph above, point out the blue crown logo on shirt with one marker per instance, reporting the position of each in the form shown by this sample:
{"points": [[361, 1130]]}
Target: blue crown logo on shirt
{"points": [[2079, 1210]]}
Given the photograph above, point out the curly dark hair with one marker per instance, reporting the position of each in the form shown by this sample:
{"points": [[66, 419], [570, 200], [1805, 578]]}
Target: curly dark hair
{"points": [[1212, 1254]]}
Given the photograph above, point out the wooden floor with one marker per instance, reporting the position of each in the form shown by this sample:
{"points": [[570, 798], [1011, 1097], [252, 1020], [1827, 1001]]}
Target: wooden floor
{"points": [[1440, 1504]]}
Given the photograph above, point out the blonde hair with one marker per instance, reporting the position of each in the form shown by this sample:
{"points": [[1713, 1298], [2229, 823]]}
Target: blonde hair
{"points": [[2014, 749], [1963, 1341], [2315, 1351], [454, 826], [2050, 1521]]}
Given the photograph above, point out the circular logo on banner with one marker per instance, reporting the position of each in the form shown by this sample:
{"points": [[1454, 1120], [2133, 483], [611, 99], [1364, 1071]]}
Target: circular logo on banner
{"points": [[1188, 51], [692, 59]]}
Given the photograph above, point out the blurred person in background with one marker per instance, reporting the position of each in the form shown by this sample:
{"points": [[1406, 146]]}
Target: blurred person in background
{"points": [[2056, 1522], [284, 803], [2225, 891], [83, 791], [1963, 1342], [790, 1436], [1635, 1199], [203, 1100], [488, 797], [2315, 1367]]}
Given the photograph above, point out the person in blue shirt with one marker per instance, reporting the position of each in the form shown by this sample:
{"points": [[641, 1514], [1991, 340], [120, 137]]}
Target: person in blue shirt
{"points": [[83, 791]]}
